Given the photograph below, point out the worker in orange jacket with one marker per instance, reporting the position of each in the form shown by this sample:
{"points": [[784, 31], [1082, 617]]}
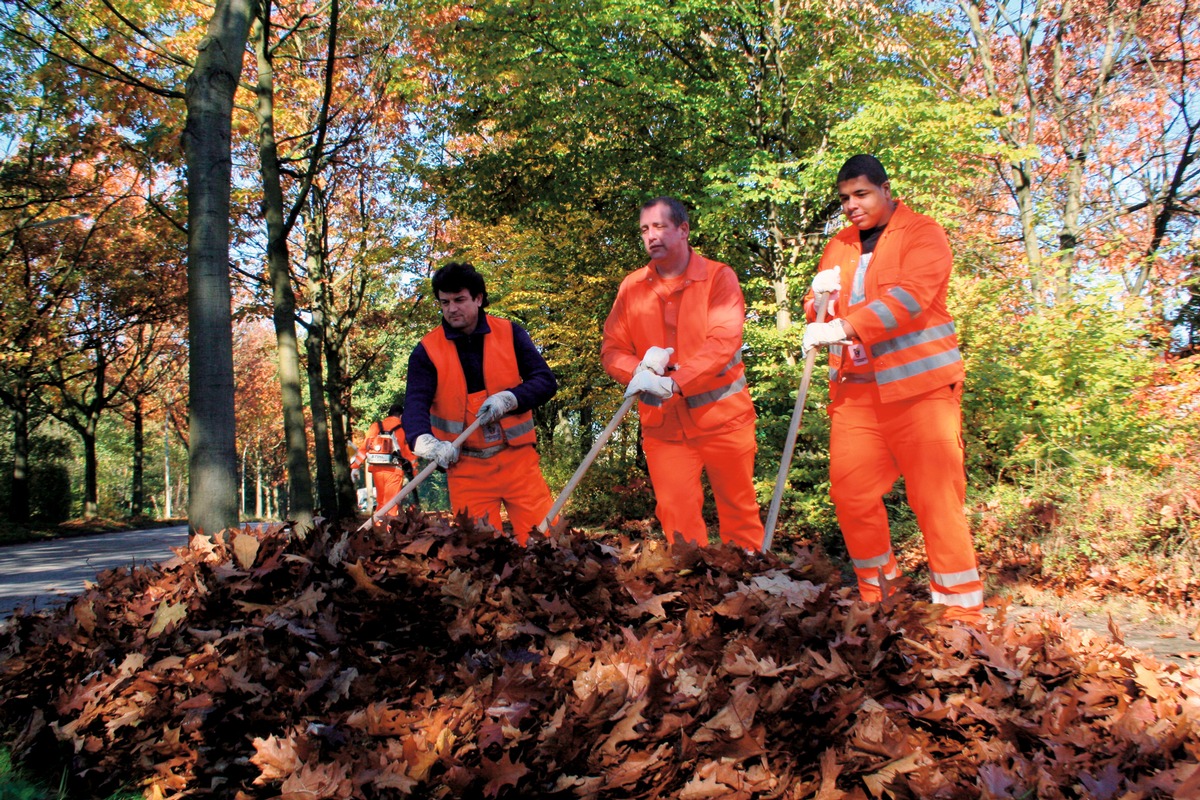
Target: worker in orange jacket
{"points": [[475, 365], [674, 336], [896, 381], [389, 460]]}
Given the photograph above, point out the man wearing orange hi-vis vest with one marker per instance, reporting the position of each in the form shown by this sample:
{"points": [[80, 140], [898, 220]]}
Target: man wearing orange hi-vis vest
{"points": [[475, 365], [389, 460], [895, 391], [674, 336]]}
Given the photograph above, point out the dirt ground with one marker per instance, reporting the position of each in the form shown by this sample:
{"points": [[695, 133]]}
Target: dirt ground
{"points": [[1171, 636]]}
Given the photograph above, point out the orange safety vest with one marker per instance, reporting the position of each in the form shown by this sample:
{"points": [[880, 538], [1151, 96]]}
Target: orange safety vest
{"points": [[903, 321], [452, 410], [715, 398]]}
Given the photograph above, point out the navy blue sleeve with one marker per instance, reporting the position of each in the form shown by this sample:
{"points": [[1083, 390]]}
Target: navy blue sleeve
{"points": [[418, 394], [538, 382]]}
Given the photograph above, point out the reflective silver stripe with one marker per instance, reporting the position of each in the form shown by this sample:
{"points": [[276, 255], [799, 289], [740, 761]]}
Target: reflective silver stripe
{"points": [[447, 425], [871, 563], [704, 398], [733, 362], [907, 300], [485, 453], [650, 399], [874, 579], [948, 580], [912, 339], [834, 350], [519, 430], [927, 364], [884, 313], [964, 600]]}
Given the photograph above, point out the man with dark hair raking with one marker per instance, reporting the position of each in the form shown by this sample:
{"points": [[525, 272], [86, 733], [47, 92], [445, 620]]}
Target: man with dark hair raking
{"points": [[674, 336], [895, 394], [475, 365]]}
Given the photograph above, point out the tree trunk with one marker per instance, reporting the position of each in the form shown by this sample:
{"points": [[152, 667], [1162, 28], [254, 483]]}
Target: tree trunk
{"points": [[212, 454], [316, 391], [258, 487], [283, 297], [137, 494], [335, 390], [243, 480], [587, 436], [91, 505], [314, 261], [18, 508]]}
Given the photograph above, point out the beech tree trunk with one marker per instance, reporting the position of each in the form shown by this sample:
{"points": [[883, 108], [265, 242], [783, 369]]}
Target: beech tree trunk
{"points": [[283, 295], [18, 499], [326, 495], [137, 493], [212, 454]]}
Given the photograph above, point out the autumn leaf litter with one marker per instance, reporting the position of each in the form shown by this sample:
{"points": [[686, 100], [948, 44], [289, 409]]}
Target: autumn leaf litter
{"points": [[439, 659]]}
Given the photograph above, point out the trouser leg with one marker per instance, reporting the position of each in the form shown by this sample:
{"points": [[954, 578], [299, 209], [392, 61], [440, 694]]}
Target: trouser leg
{"points": [[523, 489], [861, 472], [388, 483], [728, 459], [471, 482], [679, 498], [927, 441]]}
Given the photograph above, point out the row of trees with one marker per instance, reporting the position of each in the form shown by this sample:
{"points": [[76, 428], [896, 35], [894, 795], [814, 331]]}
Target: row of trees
{"points": [[334, 153]]}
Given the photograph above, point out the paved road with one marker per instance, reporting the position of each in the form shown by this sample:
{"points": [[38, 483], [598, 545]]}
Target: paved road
{"points": [[45, 574]]}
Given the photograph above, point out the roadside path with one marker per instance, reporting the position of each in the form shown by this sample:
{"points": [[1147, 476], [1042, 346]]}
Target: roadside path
{"points": [[43, 574]]}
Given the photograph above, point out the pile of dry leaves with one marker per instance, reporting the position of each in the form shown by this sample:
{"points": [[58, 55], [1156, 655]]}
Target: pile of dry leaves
{"points": [[441, 660]]}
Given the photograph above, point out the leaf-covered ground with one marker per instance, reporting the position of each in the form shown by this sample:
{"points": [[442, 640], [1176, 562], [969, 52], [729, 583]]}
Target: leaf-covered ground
{"points": [[441, 660]]}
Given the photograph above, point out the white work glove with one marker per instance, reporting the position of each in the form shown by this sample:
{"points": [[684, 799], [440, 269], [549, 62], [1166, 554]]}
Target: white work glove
{"points": [[827, 281], [649, 383], [655, 360], [431, 448], [820, 334], [495, 407]]}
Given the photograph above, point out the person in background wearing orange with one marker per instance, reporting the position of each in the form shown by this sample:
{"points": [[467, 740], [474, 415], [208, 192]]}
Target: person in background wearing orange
{"points": [[896, 382], [475, 365], [389, 460], [674, 337]]}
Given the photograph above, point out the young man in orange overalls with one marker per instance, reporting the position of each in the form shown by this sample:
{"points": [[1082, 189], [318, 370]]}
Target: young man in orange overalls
{"points": [[475, 365], [674, 336], [896, 380]]}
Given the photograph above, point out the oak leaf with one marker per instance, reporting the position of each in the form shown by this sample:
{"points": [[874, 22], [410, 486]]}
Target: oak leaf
{"points": [[275, 758], [501, 773]]}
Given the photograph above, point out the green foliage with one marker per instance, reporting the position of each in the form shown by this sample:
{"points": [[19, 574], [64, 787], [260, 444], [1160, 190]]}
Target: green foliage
{"points": [[933, 147], [1056, 386], [52, 455], [611, 494], [14, 785], [18, 784]]}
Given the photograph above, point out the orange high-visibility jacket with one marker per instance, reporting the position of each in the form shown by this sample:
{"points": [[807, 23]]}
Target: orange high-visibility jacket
{"points": [[450, 414], [903, 321], [703, 321]]}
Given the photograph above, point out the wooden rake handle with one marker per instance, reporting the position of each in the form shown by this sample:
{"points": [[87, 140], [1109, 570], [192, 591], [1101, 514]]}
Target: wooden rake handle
{"points": [[789, 444], [544, 525]]}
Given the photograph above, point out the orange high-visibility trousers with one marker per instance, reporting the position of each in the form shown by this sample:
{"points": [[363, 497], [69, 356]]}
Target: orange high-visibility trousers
{"points": [[871, 444], [728, 459], [388, 483], [513, 477]]}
